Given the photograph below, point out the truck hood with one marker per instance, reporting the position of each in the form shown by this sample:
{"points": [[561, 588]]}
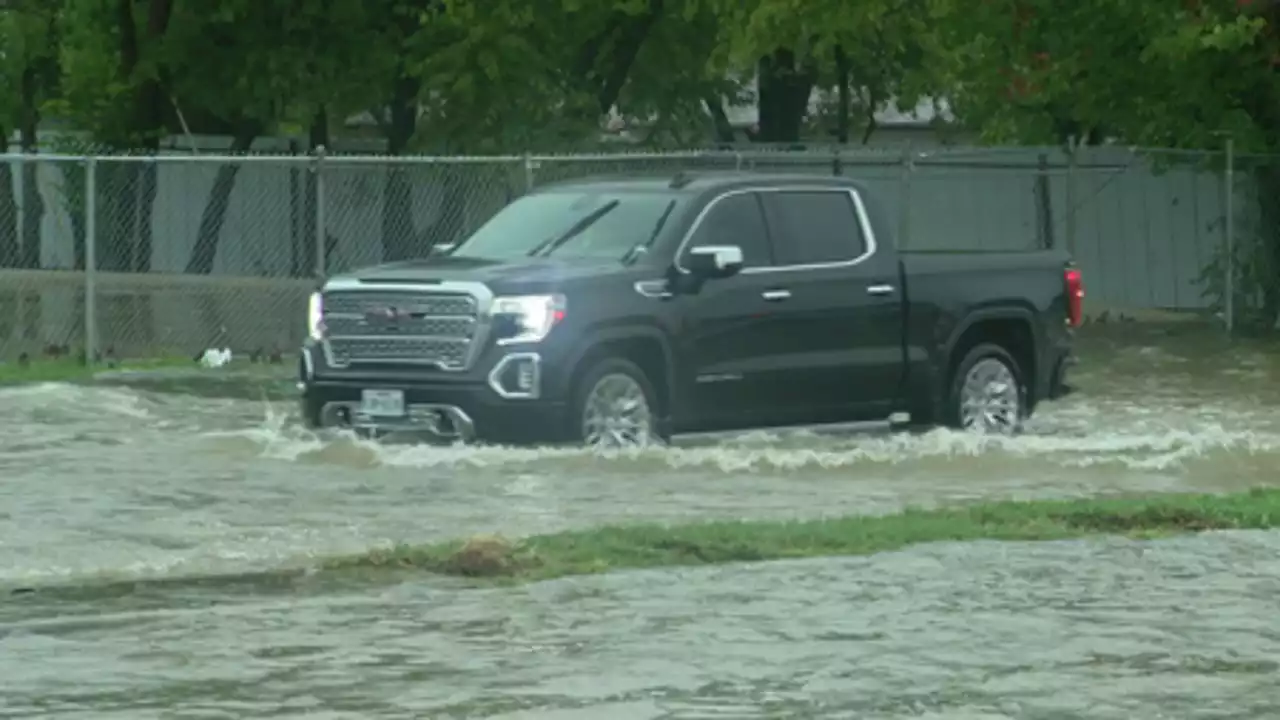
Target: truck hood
{"points": [[500, 274]]}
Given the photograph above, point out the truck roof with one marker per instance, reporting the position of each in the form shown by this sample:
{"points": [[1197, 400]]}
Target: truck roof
{"points": [[698, 181]]}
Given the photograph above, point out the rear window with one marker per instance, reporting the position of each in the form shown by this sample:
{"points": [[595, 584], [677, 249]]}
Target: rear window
{"points": [[577, 223], [813, 227]]}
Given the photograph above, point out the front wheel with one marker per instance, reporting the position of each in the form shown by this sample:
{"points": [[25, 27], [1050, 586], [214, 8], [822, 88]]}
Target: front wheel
{"points": [[614, 407], [987, 392]]}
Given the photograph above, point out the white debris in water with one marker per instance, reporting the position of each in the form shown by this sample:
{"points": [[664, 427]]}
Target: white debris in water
{"points": [[215, 358]]}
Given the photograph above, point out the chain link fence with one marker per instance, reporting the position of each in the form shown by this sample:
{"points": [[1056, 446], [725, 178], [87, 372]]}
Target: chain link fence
{"points": [[189, 252]]}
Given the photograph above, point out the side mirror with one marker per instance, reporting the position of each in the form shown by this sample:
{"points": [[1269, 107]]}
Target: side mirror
{"points": [[715, 261]]}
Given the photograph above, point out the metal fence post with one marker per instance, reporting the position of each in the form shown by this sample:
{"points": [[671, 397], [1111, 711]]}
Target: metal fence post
{"points": [[90, 260], [321, 233], [1228, 207], [529, 179], [904, 216]]}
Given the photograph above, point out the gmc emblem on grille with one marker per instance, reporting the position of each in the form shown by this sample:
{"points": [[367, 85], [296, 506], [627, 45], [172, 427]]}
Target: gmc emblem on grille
{"points": [[387, 314]]}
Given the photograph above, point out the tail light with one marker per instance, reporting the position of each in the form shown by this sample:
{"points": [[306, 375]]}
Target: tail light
{"points": [[1075, 296]]}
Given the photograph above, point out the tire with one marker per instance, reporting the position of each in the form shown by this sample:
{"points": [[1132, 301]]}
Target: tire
{"points": [[612, 375], [986, 369]]}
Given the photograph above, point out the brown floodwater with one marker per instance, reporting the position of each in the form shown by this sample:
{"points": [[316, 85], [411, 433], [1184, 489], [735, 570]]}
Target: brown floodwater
{"points": [[107, 484]]}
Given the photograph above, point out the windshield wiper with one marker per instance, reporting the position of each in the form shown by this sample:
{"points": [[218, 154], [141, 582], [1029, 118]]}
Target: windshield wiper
{"points": [[637, 250], [548, 246]]}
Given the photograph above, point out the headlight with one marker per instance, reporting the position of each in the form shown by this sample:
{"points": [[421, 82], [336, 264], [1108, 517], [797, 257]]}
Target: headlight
{"points": [[315, 316], [526, 318]]}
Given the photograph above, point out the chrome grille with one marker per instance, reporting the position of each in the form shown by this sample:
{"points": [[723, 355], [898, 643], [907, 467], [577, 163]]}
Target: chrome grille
{"points": [[401, 327], [446, 353], [358, 302], [438, 327]]}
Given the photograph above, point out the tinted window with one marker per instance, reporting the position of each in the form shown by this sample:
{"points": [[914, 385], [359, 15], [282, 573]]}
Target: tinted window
{"points": [[571, 223], [815, 227], [736, 220]]}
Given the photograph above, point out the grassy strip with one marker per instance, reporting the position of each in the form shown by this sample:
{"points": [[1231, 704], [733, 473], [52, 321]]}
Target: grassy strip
{"points": [[67, 369], [646, 546]]}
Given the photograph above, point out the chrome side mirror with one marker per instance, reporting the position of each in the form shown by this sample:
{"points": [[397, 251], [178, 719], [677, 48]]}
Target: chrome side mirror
{"points": [[715, 261]]}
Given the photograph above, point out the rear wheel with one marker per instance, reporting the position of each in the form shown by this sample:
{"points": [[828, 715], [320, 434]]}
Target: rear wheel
{"points": [[614, 407], [987, 394]]}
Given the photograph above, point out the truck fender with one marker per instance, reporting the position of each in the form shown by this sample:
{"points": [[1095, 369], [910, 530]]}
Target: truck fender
{"points": [[1003, 312], [594, 339]]}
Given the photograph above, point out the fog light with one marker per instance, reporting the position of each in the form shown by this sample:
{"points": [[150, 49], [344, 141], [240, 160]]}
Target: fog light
{"points": [[524, 376], [517, 376]]}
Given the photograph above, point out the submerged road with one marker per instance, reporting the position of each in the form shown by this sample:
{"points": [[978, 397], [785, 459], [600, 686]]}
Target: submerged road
{"points": [[102, 484]]}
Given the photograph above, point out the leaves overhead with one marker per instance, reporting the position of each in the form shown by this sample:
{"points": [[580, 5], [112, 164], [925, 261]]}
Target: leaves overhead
{"points": [[506, 75], [1150, 72]]}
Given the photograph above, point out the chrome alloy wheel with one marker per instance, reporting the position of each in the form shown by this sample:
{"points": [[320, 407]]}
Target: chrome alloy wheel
{"points": [[990, 401], [616, 413]]}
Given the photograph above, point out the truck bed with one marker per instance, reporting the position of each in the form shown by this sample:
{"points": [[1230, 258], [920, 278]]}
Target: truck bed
{"points": [[956, 282]]}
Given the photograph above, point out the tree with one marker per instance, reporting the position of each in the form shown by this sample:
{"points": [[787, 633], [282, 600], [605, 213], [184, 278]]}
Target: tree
{"points": [[1144, 72], [138, 71], [28, 63], [112, 59], [875, 50], [242, 68], [476, 78], [1149, 72]]}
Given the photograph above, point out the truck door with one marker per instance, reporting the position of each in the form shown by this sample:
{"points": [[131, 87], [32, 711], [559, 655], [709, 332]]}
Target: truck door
{"points": [[841, 304], [726, 339]]}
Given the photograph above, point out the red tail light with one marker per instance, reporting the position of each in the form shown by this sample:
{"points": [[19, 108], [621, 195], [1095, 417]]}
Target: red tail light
{"points": [[1075, 296]]}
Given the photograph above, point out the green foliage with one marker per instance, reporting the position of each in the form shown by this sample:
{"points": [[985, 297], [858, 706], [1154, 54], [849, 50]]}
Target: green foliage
{"points": [[507, 76], [28, 38], [1149, 71], [504, 75], [892, 47]]}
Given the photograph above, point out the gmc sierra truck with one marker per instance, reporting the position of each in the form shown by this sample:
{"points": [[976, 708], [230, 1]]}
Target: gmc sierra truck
{"points": [[618, 312]]}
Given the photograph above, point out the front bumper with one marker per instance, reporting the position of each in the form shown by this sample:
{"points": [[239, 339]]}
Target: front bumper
{"points": [[511, 398]]}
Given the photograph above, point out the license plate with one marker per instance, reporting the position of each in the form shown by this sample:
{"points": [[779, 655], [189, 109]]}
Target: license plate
{"points": [[382, 403]]}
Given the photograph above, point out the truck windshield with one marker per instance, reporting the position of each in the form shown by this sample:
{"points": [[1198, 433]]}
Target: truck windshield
{"points": [[577, 223]]}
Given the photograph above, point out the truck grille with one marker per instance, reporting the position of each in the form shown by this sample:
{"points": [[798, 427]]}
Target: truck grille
{"points": [[400, 327]]}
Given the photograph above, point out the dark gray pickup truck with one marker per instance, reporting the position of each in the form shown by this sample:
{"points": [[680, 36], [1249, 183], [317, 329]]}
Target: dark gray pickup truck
{"points": [[623, 311]]}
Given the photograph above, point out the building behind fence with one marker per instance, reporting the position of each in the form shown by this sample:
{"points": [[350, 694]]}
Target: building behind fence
{"points": [[1143, 227]]}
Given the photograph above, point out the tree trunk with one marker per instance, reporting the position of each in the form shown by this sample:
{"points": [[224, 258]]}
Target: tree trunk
{"points": [[129, 247], [784, 87], [604, 61], [32, 200], [8, 211], [1266, 260], [844, 102], [215, 210], [720, 119], [318, 137], [400, 239], [74, 186]]}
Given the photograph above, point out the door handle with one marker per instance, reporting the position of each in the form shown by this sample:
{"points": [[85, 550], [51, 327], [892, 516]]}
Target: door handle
{"points": [[775, 295], [880, 289]]}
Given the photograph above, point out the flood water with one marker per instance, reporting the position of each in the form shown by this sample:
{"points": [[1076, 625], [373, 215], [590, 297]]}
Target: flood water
{"points": [[103, 485]]}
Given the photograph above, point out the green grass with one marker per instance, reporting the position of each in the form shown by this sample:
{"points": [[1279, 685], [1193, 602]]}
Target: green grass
{"points": [[69, 369], [647, 546]]}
